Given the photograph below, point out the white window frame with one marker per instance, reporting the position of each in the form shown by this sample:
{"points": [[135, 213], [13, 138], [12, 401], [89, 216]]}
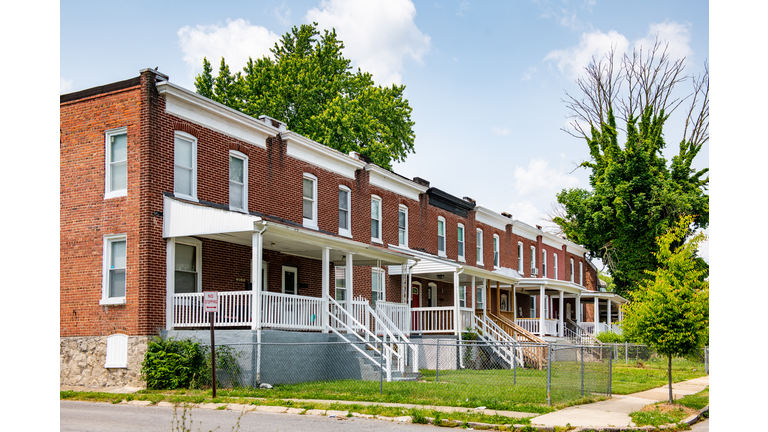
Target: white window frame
{"points": [[193, 140], [377, 237], [107, 253], [348, 231], [108, 163], [242, 156], [432, 294], [461, 241], [462, 296], [572, 270], [581, 273], [479, 296], [479, 246], [441, 253], [294, 270], [340, 273], [382, 284], [496, 253], [309, 222], [404, 209], [544, 263], [556, 267], [520, 258], [533, 260], [198, 245]]}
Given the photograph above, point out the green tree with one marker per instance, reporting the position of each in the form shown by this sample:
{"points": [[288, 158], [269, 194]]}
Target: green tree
{"points": [[671, 312], [311, 87], [636, 195], [608, 279]]}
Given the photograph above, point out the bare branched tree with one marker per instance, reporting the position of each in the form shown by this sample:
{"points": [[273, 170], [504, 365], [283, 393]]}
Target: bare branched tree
{"points": [[556, 210], [642, 79]]}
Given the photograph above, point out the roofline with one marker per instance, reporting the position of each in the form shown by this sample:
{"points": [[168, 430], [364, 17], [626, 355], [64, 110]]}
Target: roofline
{"points": [[391, 175], [493, 216], [103, 89], [297, 138]]}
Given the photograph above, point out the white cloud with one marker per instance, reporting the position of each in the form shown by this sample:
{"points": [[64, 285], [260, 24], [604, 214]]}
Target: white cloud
{"points": [[528, 73], [572, 61], [378, 35], [526, 212], [674, 33], [465, 6], [564, 15], [283, 14], [65, 85], [501, 131], [235, 41], [541, 179]]}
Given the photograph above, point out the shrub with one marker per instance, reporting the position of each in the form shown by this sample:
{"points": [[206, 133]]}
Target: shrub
{"points": [[172, 364], [610, 337]]}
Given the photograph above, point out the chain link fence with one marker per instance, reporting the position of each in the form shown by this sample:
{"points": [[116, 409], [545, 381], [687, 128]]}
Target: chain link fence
{"points": [[629, 353], [427, 372]]}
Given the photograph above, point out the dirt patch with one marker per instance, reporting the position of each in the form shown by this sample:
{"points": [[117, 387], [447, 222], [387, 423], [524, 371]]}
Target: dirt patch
{"points": [[668, 407]]}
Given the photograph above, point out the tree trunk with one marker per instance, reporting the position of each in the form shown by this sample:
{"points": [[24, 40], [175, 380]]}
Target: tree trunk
{"points": [[670, 379]]}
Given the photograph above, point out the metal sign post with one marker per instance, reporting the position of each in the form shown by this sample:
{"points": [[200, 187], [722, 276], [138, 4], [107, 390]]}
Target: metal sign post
{"points": [[211, 305]]}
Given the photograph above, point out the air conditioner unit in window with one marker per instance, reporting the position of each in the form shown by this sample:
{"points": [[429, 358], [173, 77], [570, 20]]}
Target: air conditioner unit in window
{"points": [[534, 272]]}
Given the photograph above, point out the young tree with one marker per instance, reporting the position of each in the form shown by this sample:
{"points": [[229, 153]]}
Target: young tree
{"points": [[635, 195], [671, 312], [310, 86]]}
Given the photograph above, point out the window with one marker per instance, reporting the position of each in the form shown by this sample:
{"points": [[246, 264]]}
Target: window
{"points": [[460, 238], [185, 165], [462, 296], [238, 181], [375, 218], [187, 266], [480, 247], [377, 286], [581, 273], [290, 280], [113, 284], [117, 351], [341, 285], [479, 299], [309, 191], [440, 236], [533, 261], [557, 275], [544, 263], [495, 250], [402, 226], [571, 269], [533, 306], [116, 157], [520, 258], [344, 218]]}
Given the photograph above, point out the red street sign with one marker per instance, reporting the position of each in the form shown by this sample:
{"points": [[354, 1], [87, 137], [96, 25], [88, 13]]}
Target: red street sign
{"points": [[210, 301]]}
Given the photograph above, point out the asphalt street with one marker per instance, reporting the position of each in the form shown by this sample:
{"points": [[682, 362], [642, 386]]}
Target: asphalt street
{"points": [[106, 417]]}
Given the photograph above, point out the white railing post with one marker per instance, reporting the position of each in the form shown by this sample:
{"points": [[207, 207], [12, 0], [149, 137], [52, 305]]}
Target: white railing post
{"points": [[542, 329], [560, 330], [597, 314], [256, 258], [610, 327], [348, 266]]}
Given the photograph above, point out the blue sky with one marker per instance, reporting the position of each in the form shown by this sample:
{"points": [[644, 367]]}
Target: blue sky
{"points": [[485, 79]]}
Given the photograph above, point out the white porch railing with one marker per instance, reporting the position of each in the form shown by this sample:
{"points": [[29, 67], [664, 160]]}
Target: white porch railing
{"points": [[357, 310], [234, 310], [432, 320], [398, 314], [532, 325], [601, 327], [504, 345], [291, 312], [465, 318]]}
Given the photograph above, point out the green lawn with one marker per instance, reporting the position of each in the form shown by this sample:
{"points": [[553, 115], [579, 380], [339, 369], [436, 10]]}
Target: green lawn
{"points": [[629, 378], [663, 413]]}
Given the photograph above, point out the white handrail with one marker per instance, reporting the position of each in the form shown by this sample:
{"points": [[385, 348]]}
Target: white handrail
{"points": [[399, 355], [399, 334], [531, 325], [502, 343]]}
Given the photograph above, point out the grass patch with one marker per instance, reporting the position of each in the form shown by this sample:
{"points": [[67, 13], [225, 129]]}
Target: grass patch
{"points": [[641, 376], [695, 401], [663, 412]]}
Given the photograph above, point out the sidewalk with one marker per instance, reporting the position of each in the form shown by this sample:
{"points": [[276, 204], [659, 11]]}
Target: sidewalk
{"points": [[615, 412]]}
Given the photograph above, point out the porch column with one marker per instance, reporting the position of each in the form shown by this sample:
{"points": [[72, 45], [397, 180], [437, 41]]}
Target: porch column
{"points": [[541, 309], [474, 302], [597, 313], [485, 299], [256, 257], [609, 315], [456, 317], [498, 298], [514, 303], [578, 309], [170, 261], [348, 282], [621, 313], [326, 253], [560, 331]]}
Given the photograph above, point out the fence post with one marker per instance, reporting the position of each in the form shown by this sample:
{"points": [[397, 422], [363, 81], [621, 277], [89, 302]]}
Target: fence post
{"points": [[582, 370], [514, 366], [610, 372], [706, 361], [437, 362], [626, 353], [549, 374]]}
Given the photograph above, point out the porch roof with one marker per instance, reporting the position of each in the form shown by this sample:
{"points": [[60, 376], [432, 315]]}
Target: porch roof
{"points": [[183, 218], [604, 296], [534, 285], [431, 267]]}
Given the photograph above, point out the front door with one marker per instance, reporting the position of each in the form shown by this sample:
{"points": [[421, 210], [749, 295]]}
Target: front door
{"points": [[415, 303]]}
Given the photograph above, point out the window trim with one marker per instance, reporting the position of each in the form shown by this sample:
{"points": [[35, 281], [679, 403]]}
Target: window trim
{"points": [[106, 300], [309, 223], [193, 140], [479, 246], [581, 273], [242, 156], [441, 253], [479, 296], [432, 294], [496, 253], [463, 293], [295, 280], [382, 285], [544, 263], [520, 259], [380, 219], [404, 209], [533, 261], [108, 163], [555, 267], [347, 232], [340, 270], [572, 270], [461, 242], [198, 245]]}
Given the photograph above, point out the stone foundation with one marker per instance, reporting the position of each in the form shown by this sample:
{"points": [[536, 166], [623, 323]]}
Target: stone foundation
{"points": [[82, 361]]}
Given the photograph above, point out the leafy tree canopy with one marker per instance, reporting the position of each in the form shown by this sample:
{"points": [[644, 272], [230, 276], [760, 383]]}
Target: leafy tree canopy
{"points": [[671, 312], [310, 86], [636, 195]]}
